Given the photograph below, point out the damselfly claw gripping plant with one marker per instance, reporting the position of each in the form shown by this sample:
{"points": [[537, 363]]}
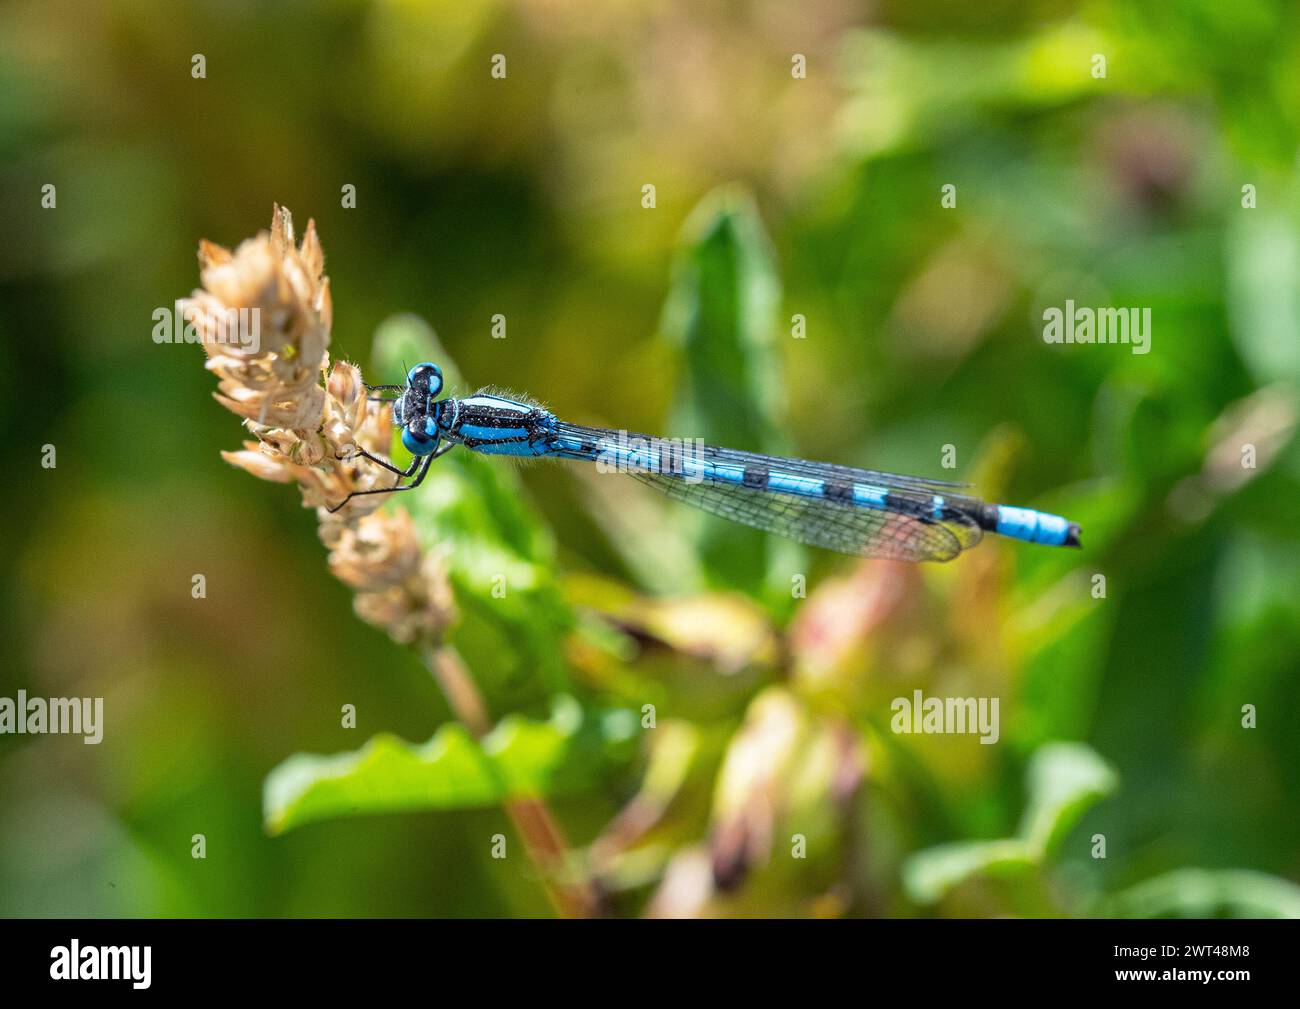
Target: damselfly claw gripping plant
{"points": [[853, 511]]}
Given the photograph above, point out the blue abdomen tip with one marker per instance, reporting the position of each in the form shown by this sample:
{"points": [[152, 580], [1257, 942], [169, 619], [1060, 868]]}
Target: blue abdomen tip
{"points": [[1036, 527]]}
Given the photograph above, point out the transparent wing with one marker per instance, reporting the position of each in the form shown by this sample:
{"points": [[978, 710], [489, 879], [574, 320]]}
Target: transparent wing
{"points": [[830, 471], [776, 463], [847, 529], [905, 530]]}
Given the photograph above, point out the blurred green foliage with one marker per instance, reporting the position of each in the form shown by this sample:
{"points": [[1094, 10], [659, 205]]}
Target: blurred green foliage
{"points": [[1121, 714], [451, 771]]}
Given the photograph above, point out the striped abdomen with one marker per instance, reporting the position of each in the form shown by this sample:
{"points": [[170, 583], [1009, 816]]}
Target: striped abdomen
{"points": [[837, 485]]}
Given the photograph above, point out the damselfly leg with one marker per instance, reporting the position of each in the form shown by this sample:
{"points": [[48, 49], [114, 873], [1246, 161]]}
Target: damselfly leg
{"points": [[399, 389], [379, 460], [398, 487]]}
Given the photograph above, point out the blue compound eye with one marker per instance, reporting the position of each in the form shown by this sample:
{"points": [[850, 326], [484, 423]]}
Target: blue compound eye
{"points": [[426, 376], [418, 444]]}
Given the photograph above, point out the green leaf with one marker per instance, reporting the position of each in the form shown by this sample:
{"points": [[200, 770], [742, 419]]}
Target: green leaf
{"points": [[721, 311], [1207, 893], [1264, 292], [931, 873], [520, 756], [499, 556], [1065, 779]]}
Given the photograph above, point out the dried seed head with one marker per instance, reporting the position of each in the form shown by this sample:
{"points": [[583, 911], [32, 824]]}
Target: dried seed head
{"points": [[398, 587], [308, 432]]}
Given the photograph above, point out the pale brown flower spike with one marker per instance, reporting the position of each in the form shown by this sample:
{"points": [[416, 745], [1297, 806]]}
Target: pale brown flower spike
{"points": [[305, 430]]}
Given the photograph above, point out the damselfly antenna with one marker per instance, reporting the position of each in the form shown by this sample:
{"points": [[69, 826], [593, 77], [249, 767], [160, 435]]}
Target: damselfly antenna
{"points": [[399, 389]]}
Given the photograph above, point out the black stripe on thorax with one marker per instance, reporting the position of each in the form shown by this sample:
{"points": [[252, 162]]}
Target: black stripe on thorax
{"points": [[495, 417]]}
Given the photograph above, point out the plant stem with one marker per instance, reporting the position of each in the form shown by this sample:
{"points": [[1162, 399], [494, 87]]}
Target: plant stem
{"points": [[544, 841]]}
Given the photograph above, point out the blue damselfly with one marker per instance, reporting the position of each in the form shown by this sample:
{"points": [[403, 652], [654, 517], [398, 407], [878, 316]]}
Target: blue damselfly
{"points": [[853, 511]]}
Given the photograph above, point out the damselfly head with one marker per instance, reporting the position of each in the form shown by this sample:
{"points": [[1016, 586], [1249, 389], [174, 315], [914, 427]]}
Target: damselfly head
{"points": [[423, 383]]}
